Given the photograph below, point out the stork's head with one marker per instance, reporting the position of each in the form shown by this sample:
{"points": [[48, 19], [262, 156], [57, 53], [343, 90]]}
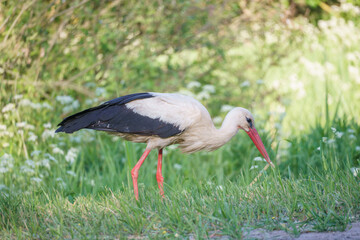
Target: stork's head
{"points": [[245, 121]]}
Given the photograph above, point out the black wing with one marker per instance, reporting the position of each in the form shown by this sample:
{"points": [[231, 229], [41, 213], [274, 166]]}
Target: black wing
{"points": [[114, 116]]}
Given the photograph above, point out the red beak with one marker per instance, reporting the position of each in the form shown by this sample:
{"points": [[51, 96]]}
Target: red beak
{"points": [[253, 134]]}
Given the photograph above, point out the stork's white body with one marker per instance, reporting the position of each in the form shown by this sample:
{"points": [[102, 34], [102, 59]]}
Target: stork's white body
{"points": [[162, 119], [186, 113]]}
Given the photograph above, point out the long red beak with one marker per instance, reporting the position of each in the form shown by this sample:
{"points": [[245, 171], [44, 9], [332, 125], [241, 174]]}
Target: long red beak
{"points": [[253, 134]]}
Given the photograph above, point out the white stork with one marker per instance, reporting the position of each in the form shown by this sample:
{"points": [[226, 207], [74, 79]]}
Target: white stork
{"points": [[162, 119]]}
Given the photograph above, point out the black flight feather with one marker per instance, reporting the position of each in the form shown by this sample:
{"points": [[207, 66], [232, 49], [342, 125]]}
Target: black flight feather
{"points": [[114, 116]]}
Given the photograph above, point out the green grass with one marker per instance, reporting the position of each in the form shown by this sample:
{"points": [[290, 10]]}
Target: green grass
{"points": [[320, 201], [209, 194]]}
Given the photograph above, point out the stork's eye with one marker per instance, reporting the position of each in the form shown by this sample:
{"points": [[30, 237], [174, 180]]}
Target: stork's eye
{"points": [[248, 120]]}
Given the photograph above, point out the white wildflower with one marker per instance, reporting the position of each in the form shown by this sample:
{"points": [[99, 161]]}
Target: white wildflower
{"points": [[91, 101], [5, 144], [32, 137], [30, 163], [35, 153], [64, 99], [45, 163], [260, 82], [209, 88], [245, 84], [47, 125], [339, 134], [333, 129], [254, 167], [57, 150], [259, 159], [25, 102], [46, 105], [203, 95], [71, 155], [357, 148], [92, 182], [26, 169], [324, 139], [177, 166], [36, 179], [48, 133], [352, 136], [331, 141], [74, 105], [50, 157], [8, 108], [18, 96], [2, 127], [217, 120], [71, 173], [193, 84], [100, 91], [226, 108], [350, 130], [318, 148], [6, 163], [355, 171]]}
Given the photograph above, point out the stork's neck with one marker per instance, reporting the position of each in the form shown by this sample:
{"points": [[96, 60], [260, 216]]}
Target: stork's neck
{"points": [[222, 135]]}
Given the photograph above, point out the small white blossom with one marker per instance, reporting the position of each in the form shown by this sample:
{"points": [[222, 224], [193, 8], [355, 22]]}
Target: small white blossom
{"points": [[47, 106], [36, 179], [226, 108], [193, 84], [18, 96], [71, 155], [217, 120], [355, 171], [254, 167], [324, 139], [177, 166], [30, 163], [100, 91], [92, 182], [64, 99], [71, 173], [8, 108], [47, 125], [245, 84], [2, 127], [339, 134], [57, 150], [259, 159], [35, 153], [318, 148], [203, 95], [209, 88], [333, 130], [357, 148], [26, 169], [352, 136], [32, 137], [48, 133]]}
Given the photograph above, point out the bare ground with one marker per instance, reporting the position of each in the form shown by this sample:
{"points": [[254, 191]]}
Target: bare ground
{"points": [[351, 233]]}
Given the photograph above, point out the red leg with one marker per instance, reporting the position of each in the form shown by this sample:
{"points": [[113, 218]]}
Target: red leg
{"points": [[135, 172], [159, 176]]}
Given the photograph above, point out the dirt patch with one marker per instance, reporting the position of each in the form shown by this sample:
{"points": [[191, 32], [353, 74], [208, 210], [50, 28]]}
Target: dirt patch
{"points": [[352, 233]]}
